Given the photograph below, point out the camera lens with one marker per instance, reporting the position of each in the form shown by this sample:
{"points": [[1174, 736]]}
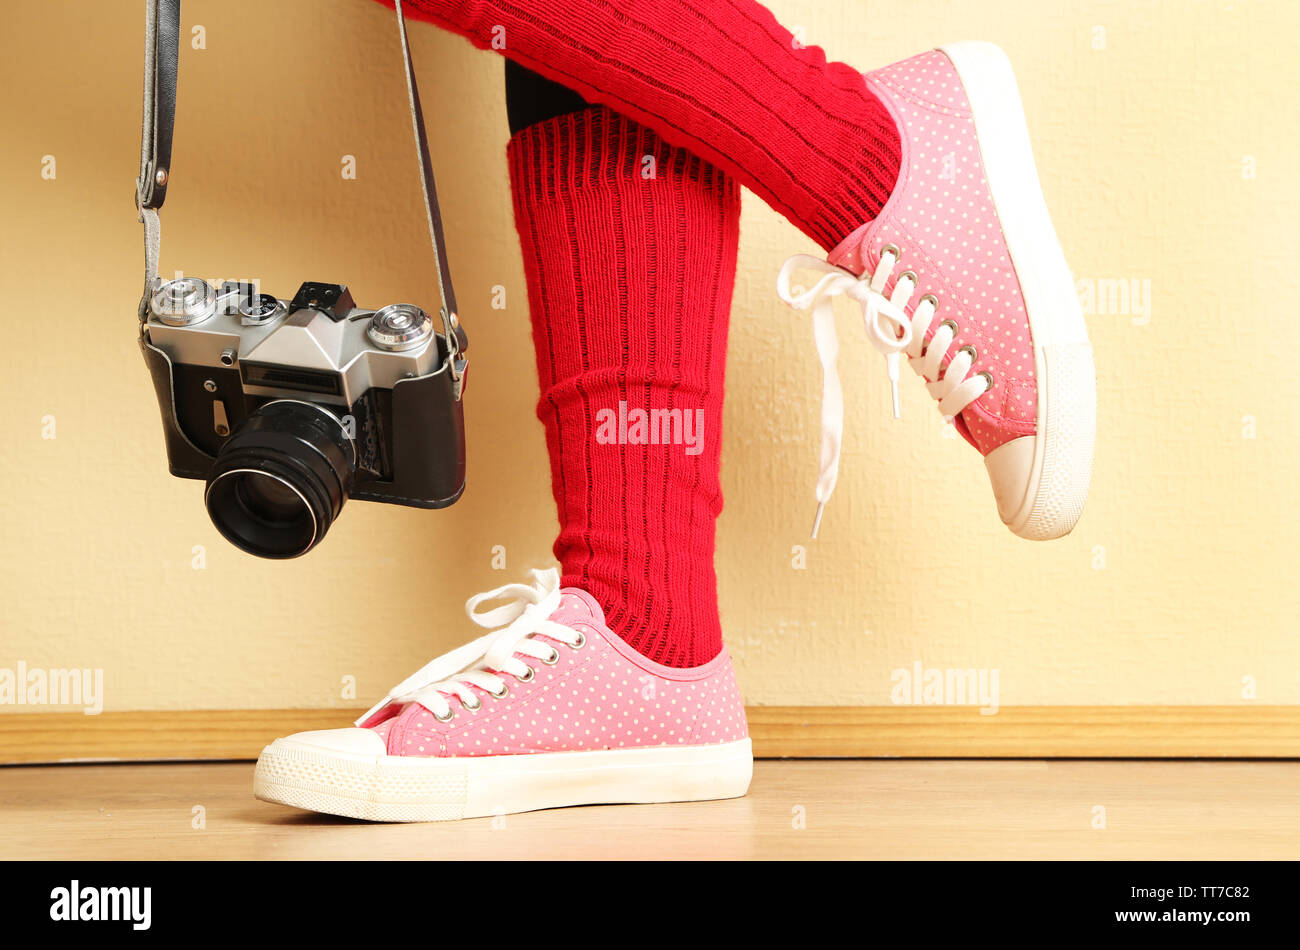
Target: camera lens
{"points": [[269, 499], [281, 479]]}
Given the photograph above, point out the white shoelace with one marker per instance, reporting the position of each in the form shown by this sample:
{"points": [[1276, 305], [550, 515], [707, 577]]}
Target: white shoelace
{"points": [[486, 660], [891, 332]]}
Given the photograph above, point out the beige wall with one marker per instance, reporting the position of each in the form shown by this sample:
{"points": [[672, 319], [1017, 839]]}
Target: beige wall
{"points": [[1178, 582]]}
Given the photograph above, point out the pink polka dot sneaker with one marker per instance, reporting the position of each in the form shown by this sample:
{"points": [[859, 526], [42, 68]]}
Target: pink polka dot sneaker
{"points": [[551, 709], [962, 272]]}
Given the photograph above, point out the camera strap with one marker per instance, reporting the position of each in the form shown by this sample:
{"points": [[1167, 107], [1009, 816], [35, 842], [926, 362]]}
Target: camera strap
{"points": [[161, 44], [161, 47]]}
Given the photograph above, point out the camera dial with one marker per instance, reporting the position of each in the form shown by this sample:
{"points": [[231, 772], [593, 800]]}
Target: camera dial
{"points": [[258, 310], [400, 326], [184, 302]]}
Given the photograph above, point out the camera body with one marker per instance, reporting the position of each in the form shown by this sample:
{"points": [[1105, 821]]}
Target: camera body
{"points": [[288, 407]]}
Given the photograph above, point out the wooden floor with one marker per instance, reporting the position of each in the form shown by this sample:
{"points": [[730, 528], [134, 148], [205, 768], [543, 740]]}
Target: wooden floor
{"points": [[904, 809]]}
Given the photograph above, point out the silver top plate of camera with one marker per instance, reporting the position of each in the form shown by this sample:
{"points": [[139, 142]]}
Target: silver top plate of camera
{"points": [[195, 324]]}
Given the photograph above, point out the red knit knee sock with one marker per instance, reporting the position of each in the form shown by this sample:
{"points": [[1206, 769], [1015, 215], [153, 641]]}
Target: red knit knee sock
{"points": [[720, 77], [629, 247]]}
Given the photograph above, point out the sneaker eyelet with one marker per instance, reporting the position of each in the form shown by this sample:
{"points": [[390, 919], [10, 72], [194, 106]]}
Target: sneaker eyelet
{"points": [[447, 718], [989, 376], [529, 676], [891, 249], [974, 353], [478, 704], [934, 301], [951, 323], [582, 641], [908, 275], [505, 691], [553, 658]]}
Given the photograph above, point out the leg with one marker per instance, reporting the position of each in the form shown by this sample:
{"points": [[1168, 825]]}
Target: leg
{"points": [[918, 178], [719, 77], [630, 252], [532, 98], [627, 695]]}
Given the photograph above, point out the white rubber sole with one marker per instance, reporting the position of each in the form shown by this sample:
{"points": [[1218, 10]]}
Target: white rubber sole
{"points": [[1067, 384], [405, 788]]}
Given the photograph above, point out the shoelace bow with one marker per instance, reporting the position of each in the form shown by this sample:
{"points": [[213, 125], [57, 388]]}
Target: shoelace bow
{"points": [[482, 662], [891, 332]]}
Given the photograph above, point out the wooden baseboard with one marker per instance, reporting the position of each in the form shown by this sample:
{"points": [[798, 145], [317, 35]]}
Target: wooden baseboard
{"points": [[778, 731]]}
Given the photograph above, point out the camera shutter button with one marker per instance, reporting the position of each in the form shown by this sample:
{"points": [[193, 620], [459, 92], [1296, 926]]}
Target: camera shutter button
{"points": [[400, 326]]}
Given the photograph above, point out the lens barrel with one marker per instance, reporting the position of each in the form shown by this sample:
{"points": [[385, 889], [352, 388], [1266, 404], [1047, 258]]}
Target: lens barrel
{"points": [[281, 479]]}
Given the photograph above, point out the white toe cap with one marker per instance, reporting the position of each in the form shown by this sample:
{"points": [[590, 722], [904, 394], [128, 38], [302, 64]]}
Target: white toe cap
{"points": [[351, 741], [1011, 467]]}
